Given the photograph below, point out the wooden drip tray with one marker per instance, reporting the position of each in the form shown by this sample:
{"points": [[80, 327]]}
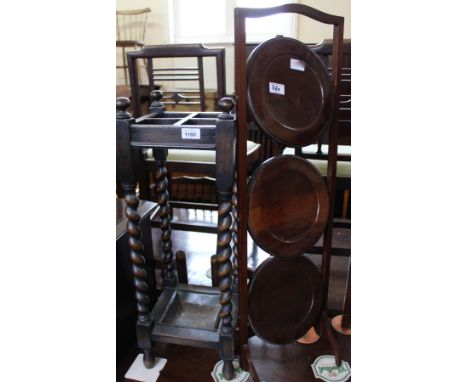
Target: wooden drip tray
{"points": [[189, 315], [192, 310]]}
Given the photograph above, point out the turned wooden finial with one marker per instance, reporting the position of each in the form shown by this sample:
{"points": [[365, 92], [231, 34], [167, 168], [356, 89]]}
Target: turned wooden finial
{"points": [[156, 96], [226, 105], [156, 106], [122, 104]]}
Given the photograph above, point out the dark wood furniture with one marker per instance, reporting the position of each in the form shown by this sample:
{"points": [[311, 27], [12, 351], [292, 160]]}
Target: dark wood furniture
{"points": [[192, 97], [277, 222], [324, 52], [284, 90], [157, 74], [346, 323], [126, 307], [346, 312], [317, 153], [190, 170], [184, 314]]}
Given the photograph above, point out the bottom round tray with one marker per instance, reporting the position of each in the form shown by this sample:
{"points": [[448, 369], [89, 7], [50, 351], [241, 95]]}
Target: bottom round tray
{"points": [[284, 299]]}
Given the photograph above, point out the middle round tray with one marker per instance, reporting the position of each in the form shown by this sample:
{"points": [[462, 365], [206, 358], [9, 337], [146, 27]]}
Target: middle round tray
{"points": [[288, 206]]}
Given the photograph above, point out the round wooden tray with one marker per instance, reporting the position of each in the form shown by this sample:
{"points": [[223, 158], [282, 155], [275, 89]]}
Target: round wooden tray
{"points": [[289, 92], [284, 299], [288, 206]]}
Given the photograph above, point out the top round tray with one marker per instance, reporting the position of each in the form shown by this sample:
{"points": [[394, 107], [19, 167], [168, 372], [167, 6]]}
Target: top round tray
{"points": [[290, 94]]}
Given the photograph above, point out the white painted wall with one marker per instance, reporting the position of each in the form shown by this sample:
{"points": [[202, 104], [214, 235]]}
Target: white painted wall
{"points": [[157, 32], [157, 29], [310, 31]]}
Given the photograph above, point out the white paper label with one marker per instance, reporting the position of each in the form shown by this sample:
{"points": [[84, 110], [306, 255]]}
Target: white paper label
{"points": [[276, 88], [297, 64], [190, 133]]}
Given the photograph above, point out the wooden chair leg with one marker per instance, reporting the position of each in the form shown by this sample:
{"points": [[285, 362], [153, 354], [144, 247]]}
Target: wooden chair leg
{"points": [[214, 271], [181, 262], [346, 322], [344, 211]]}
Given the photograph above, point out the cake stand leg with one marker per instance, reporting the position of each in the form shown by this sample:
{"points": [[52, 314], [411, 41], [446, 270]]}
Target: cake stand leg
{"points": [[330, 335]]}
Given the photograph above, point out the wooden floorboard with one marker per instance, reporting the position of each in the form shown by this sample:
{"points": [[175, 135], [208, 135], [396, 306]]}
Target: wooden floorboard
{"points": [[293, 362]]}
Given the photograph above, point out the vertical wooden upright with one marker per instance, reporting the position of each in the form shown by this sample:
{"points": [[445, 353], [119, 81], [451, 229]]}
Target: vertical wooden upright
{"points": [[224, 184], [127, 179]]}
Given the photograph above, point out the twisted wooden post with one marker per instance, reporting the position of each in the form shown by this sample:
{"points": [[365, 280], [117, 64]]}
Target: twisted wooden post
{"points": [[126, 176], [234, 236], [136, 252], [169, 276], [224, 182], [224, 260], [162, 197]]}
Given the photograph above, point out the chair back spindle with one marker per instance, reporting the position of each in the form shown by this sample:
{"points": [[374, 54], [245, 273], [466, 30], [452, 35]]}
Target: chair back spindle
{"points": [[130, 33]]}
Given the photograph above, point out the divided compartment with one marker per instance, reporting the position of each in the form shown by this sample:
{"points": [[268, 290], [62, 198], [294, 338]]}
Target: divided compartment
{"points": [[199, 121], [207, 115], [159, 121], [178, 115], [182, 119]]}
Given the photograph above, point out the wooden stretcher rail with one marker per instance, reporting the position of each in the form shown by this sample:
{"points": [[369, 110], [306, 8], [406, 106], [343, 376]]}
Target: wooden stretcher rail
{"points": [[147, 136]]}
